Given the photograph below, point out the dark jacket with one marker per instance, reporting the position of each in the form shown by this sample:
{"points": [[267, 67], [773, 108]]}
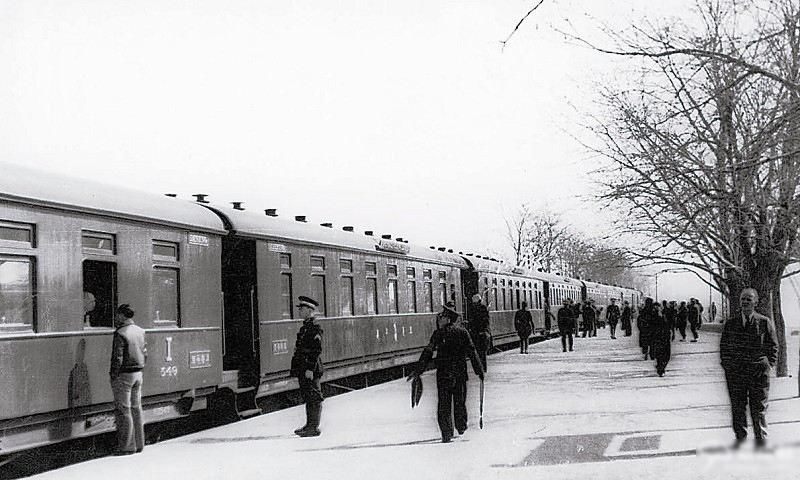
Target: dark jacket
{"points": [[740, 347], [307, 350], [523, 322], [566, 319], [612, 313], [129, 350], [452, 345], [479, 319]]}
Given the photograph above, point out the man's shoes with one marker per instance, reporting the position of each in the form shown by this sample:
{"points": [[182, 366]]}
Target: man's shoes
{"points": [[447, 439], [570, 349], [313, 432], [564, 350], [461, 432], [694, 341], [300, 430], [737, 444], [122, 453], [761, 446]]}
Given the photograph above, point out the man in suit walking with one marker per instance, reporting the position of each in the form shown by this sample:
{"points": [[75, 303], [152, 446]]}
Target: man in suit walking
{"points": [[748, 350]]}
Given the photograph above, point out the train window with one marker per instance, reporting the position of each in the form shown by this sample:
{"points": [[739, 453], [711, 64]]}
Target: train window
{"points": [[411, 273], [100, 279], [318, 293], [372, 296], [453, 292], [17, 293], [317, 262], [518, 299], [346, 295], [286, 261], [496, 305], [426, 274], [427, 292], [442, 293], [17, 233], [97, 242], [392, 287], [412, 296], [166, 296], [442, 276], [503, 291], [166, 250], [287, 310], [346, 266], [391, 270], [371, 268], [486, 292]]}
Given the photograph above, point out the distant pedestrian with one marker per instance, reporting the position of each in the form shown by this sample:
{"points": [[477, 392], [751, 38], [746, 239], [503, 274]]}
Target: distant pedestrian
{"points": [[712, 310], [660, 335], [523, 323], [748, 350], [128, 359], [307, 366], [627, 318], [681, 320], [589, 319], [479, 328], [671, 315], [566, 324], [453, 345], [612, 317], [642, 322], [695, 317]]}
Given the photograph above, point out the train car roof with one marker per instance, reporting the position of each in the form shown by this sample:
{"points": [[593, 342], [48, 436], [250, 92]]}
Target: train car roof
{"points": [[553, 278], [492, 266], [30, 186], [250, 224]]}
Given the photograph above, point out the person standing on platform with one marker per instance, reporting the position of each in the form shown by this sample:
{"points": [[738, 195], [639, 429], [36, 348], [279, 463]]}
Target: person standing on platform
{"points": [[453, 345], [523, 323], [307, 366], [612, 317], [645, 339], [695, 316], [627, 318], [589, 317], [661, 338], [671, 315], [681, 319], [480, 329], [712, 311], [128, 359], [548, 317], [748, 350], [566, 324]]}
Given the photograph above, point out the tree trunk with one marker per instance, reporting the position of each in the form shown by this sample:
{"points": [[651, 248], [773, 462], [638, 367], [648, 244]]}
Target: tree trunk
{"points": [[782, 369]]}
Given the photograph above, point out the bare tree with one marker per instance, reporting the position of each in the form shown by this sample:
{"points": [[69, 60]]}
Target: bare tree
{"points": [[704, 155]]}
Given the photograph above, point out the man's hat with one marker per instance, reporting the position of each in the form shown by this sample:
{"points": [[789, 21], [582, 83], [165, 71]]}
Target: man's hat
{"points": [[450, 306], [307, 302]]}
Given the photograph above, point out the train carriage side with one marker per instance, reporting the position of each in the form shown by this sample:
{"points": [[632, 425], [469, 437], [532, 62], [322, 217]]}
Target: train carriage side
{"points": [[61, 237], [503, 290], [378, 298], [556, 288]]}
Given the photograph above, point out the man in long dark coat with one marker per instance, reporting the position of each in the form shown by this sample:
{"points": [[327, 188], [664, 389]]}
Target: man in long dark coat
{"points": [[307, 366], [627, 318], [612, 317], [453, 345], [645, 340], [566, 324], [748, 350], [479, 328], [523, 323]]}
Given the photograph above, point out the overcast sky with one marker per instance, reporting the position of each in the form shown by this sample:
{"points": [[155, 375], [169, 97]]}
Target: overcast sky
{"points": [[403, 117]]}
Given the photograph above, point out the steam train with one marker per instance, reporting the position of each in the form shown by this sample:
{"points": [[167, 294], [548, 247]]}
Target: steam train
{"points": [[214, 287]]}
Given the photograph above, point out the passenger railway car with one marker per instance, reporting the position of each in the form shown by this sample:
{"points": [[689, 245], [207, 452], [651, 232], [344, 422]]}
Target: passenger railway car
{"points": [[214, 287]]}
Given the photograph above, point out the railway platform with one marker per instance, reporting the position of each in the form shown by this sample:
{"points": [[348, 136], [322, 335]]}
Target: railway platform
{"points": [[599, 412]]}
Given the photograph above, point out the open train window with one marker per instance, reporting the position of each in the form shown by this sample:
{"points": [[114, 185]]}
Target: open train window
{"points": [[427, 292], [17, 293], [372, 296], [100, 280], [318, 293], [346, 296], [286, 296], [412, 296], [392, 289]]}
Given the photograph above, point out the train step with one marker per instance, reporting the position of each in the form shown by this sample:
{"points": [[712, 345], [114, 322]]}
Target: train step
{"points": [[240, 390], [250, 413]]}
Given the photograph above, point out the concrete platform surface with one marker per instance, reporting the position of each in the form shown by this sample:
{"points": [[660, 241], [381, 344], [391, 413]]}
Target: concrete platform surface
{"points": [[599, 412]]}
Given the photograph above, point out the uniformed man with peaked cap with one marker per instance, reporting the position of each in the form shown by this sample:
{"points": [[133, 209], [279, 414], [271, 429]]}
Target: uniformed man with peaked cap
{"points": [[307, 366], [453, 346]]}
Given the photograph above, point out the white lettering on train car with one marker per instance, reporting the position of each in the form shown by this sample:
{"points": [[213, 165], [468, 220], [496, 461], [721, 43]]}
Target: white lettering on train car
{"points": [[168, 348], [277, 247], [197, 239]]}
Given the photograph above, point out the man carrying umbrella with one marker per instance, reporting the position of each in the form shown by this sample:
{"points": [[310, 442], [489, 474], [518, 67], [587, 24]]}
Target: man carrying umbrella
{"points": [[453, 345]]}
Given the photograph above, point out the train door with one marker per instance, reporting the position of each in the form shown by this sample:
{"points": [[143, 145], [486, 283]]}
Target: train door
{"points": [[240, 323], [469, 287]]}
